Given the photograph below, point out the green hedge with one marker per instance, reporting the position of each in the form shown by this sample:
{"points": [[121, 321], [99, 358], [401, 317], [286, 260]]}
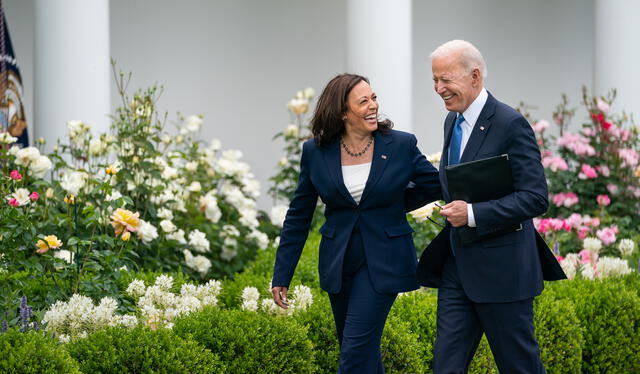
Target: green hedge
{"points": [[141, 350], [34, 352], [399, 346], [250, 342], [609, 314]]}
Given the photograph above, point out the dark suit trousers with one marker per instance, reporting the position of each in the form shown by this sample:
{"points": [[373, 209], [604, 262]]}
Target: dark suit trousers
{"points": [[359, 313], [461, 323]]}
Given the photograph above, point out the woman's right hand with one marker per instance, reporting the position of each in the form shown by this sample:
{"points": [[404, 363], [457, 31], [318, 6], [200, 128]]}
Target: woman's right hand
{"points": [[280, 296]]}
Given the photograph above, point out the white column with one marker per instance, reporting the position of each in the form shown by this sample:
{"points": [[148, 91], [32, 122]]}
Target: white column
{"points": [[379, 47], [72, 68], [617, 54]]}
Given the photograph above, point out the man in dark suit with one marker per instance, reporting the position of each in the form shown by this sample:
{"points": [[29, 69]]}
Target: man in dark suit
{"points": [[487, 285]]}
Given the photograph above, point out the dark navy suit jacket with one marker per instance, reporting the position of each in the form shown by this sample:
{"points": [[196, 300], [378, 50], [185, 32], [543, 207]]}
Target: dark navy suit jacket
{"points": [[506, 267], [380, 216]]}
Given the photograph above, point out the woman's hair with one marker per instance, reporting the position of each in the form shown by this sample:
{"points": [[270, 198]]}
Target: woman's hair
{"points": [[327, 123]]}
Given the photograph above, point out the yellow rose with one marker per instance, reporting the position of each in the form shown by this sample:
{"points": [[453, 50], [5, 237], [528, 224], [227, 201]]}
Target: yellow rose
{"points": [[123, 219], [126, 236], [49, 242]]}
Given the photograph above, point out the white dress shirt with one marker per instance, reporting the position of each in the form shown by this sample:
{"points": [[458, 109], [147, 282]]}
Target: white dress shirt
{"points": [[355, 178], [470, 118]]}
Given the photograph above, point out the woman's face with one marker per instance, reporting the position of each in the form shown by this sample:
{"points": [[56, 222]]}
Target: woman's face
{"points": [[362, 112]]}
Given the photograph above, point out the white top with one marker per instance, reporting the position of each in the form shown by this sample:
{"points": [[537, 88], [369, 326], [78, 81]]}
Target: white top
{"points": [[470, 118], [355, 177]]}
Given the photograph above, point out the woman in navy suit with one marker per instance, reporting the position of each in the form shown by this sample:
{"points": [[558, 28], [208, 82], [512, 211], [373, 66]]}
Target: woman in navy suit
{"points": [[360, 168]]}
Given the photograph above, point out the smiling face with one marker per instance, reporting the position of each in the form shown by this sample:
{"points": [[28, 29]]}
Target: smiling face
{"points": [[362, 113], [457, 86]]}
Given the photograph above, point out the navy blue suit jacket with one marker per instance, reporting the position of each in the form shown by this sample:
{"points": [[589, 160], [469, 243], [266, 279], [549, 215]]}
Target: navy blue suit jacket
{"points": [[507, 267], [380, 216]]}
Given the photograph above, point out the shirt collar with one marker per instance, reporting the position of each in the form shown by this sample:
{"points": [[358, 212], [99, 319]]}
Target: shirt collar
{"points": [[473, 111]]}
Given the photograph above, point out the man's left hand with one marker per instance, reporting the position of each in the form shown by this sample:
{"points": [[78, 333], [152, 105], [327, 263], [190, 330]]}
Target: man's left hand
{"points": [[456, 213]]}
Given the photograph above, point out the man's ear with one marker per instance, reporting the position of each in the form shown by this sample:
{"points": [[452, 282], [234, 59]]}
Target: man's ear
{"points": [[476, 75]]}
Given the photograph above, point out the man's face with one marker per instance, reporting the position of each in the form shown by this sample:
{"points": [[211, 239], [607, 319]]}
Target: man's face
{"points": [[457, 87]]}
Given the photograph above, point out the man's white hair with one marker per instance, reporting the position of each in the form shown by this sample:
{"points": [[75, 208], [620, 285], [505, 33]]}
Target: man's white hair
{"points": [[470, 56]]}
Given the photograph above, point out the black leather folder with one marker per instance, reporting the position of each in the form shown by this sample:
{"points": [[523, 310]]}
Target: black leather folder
{"points": [[480, 180]]}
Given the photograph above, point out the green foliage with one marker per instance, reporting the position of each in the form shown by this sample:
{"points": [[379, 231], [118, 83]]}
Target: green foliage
{"points": [[250, 342], [418, 309], [609, 316], [231, 293], [401, 352], [34, 352], [321, 327], [140, 350]]}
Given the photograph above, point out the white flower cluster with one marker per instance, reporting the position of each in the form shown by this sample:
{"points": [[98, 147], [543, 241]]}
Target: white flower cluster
{"points": [[300, 299], [78, 317], [604, 267], [158, 306], [626, 247], [591, 244]]}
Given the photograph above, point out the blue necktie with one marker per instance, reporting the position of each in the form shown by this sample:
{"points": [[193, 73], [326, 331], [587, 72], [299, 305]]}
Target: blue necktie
{"points": [[456, 141]]}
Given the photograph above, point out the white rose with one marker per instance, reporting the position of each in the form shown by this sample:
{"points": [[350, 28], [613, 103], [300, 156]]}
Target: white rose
{"points": [[73, 181], [261, 239], [278, 214], [423, 213], [22, 196], [24, 156], [40, 166], [6, 138], [177, 236], [167, 226], [64, 254], [115, 195], [165, 213], [169, 173], [199, 241], [284, 162], [292, 130], [192, 123], [309, 93], [195, 187], [251, 187], [626, 247], [215, 144], [96, 147], [191, 166], [228, 254], [147, 232]]}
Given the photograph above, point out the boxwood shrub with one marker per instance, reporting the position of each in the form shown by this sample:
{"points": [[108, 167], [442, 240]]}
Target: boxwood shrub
{"points": [[34, 352], [609, 314], [141, 350], [249, 342]]}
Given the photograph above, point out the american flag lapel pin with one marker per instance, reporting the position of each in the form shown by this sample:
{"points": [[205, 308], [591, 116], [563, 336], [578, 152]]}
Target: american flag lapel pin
{"points": [[384, 157]]}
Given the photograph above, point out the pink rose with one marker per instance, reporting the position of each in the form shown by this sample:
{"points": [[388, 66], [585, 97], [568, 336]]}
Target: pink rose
{"points": [[629, 157], [602, 105], [603, 170], [575, 220], [586, 256], [595, 222], [540, 126], [15, 175], [603, 200], [588, 172], [570, 199], [13, 202], [34, 196], [554, 163], [607, 235], [584, 230], [612, 188]]}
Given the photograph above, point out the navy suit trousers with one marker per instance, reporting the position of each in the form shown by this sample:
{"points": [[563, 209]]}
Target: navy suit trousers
{"points": [[360, 313], [461, 323]]}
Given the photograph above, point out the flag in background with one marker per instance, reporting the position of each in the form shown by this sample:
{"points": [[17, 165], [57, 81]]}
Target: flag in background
{"points": [[11, 107]]}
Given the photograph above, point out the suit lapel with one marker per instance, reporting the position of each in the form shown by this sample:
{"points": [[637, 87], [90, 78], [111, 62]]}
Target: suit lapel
{"points": [[479, 131], [381, 157], [332, 159]]}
